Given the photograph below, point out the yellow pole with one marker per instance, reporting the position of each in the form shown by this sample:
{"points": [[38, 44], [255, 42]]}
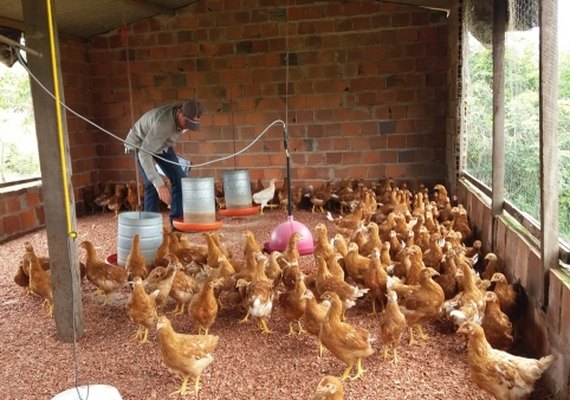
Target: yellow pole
{"points": [[57, 100]]}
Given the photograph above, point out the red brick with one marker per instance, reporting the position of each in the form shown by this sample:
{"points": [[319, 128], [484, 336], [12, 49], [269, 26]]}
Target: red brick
{"points": [[370, 157], [13, 205], [395, 171], [28, 220], [33, 198], [12, 224], [397, 141]]}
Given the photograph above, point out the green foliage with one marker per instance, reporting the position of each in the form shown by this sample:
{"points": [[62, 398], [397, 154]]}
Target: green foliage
{"points": [[18, 151]]}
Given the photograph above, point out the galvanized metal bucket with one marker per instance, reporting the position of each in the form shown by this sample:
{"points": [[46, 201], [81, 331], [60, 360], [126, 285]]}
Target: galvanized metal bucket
{"points": [[148, 225], [237, 189], [198, 200]]}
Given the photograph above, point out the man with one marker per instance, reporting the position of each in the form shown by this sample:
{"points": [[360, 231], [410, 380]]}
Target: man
{"points": [[152, 137]]}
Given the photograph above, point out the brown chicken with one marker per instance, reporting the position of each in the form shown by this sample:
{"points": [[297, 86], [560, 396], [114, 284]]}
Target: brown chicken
{"points": [[214, 250], [39, 280], [107, 277], [136, 263], [161, 278], [314, 315], [251, 244], [505, 376], [320, 197], [187, 355], [433, 256], [346, 342], [460, 223], [182, 288], [469, 303], [292, 303], [117, 200], [329, 388], [339, 245], [496, 324], [258, 296], [346, 225], [506, 294], [392, 326], [419, 303], [448, 276], [102, 198], [134, 196], [22, 275], [326, 281], [203, 308], [374, 240], [163, 249], [491, 266], [141, 309], [356, 264], [375, 279], [273, 269], [291, 252]]}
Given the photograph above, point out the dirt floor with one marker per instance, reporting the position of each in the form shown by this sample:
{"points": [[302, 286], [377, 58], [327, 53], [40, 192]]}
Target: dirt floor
{"points": [[247, 364]]}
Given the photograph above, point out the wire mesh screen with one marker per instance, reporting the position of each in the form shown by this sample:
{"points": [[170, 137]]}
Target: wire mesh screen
{"points": [[477, 127], [522, 173], [564, 119], [522, 129]]}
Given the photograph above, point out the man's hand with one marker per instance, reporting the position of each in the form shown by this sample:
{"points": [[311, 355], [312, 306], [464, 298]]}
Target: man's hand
{"points": [[164, 194]]}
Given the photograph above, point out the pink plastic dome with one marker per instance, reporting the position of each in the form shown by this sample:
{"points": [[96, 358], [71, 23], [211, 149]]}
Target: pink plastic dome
{"points": [[281, 234]]}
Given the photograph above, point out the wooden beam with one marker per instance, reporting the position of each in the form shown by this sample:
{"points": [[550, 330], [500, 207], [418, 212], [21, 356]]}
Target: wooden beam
{"points": [[152, 6], [10, 23], [548, 65], [498, 184], [56, 175]]}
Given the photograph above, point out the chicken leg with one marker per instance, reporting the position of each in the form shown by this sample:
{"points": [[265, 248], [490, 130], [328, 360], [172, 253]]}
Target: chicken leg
{"points": [[263, 326], [359, 370]]}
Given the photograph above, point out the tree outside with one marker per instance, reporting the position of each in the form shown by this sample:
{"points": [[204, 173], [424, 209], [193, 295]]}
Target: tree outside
{"points": [[522, 163], [18, 145]]}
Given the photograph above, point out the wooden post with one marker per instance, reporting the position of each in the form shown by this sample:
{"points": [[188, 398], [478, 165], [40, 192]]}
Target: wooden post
{"points": [[498, 184], [550, 244], [60, 224]]}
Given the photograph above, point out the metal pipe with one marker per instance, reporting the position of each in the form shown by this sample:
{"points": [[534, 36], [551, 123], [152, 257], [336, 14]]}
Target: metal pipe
{"points": [[11, 42]]}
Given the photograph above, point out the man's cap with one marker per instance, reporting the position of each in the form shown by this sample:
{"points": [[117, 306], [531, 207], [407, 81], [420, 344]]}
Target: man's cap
{"points": [[192, 108]]}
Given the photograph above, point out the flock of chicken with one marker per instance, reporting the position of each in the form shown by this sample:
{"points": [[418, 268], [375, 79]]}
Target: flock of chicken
{"points": [[413, 257]]}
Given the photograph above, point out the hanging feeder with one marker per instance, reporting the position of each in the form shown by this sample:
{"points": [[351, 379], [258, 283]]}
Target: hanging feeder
{"points": [[280, 235], [199, 206], [237, 194]]}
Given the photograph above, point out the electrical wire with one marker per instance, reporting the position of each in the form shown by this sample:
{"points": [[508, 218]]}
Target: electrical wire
{"points": [[223, 158]]}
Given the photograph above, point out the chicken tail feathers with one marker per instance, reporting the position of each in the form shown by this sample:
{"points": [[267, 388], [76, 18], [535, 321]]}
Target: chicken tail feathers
{"points": [[545, 362]]}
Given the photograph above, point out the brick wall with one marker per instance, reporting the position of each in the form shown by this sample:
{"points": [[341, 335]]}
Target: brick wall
{"points": [[366, 94], [21, 209]]}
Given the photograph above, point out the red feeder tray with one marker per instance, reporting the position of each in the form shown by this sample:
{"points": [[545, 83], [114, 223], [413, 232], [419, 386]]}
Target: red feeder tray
{"points": [[239, 212], [196, 227]]}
